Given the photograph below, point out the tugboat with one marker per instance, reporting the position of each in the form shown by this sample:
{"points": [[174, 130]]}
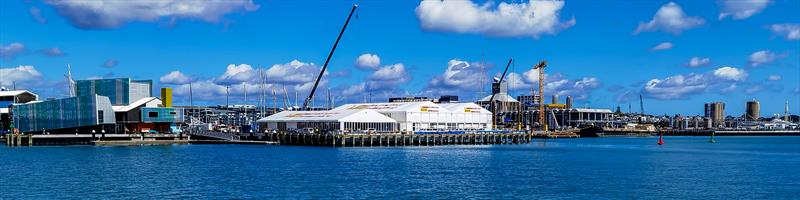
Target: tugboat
{"points": [[591, 131]]}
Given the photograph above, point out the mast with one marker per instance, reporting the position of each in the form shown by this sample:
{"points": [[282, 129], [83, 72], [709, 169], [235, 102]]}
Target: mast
{"points": [[325, 66], [191, 105], [244, 107], [70, 82], [482, 78]]}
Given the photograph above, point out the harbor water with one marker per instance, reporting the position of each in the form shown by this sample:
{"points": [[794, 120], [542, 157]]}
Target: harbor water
{"points": [[586, 168]]}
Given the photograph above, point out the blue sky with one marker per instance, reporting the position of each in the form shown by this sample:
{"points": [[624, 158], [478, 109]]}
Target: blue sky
{"points": [[602, 53]]}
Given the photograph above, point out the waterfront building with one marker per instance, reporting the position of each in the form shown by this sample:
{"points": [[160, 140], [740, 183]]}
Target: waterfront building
{"points": [[68, 115], [404, 116], [120, 91], [716, 112], [346, 121], [752, 110], [146, 115], [116, 105], [583, 117], [8, 98], [429, 116]]}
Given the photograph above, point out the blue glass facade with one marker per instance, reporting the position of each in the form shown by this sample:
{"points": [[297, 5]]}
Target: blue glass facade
{"points": [[80, 111], [120, 91]]}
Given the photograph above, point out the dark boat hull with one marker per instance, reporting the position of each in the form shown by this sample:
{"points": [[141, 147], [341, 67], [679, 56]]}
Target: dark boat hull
{"points": [[591, 132]]}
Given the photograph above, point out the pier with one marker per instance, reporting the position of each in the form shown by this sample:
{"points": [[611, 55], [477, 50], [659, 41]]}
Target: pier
{"points": [[393, 140]]}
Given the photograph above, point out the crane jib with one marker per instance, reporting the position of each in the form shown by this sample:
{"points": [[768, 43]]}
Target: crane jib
{"points": [[325, 66]]}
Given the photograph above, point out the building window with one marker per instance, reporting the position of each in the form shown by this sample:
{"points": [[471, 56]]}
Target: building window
{"points": [[172, 113], [152, 114], [100, 116]]}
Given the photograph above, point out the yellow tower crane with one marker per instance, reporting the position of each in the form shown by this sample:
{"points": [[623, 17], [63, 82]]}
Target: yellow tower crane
{"points": [[541, 67]]}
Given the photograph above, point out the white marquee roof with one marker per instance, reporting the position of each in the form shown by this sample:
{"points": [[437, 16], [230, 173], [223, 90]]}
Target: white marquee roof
{"points": [[425, 106], [354, 115]]}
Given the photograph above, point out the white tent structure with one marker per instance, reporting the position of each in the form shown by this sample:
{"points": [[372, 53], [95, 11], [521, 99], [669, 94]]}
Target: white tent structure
{"points": [[469, 116], [333, 120], [383, 117], [428, 116]]}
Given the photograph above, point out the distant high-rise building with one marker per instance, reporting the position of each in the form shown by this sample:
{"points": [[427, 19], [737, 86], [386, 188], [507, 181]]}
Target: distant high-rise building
{"points": [[555, 99], [753, 110], [716, 112], [569, 102], [786, 112]]}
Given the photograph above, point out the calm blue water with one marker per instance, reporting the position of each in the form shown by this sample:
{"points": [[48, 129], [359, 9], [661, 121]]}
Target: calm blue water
{"points": [[591, 168]]}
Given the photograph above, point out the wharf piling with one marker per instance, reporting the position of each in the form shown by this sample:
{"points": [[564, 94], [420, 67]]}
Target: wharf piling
{"points": [[395, 139], [18, 140]]}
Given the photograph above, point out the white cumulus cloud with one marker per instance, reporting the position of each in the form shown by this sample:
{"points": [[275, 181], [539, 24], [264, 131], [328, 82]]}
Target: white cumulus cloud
{"points": [[459, 75], [741, 9], [235, 74], [506, 19], [19, 74], [368, 61], [389, 73], [788, 31], [698, 62], [381, 84], [723, 79], [662, 46], [762, 57], [11, 51], [670, 18], [175, 77], [730, 73], [106, 14], [293, 72]]}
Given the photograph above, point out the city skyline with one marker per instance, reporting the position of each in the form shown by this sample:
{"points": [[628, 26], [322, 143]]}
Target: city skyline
{"points": [[678, 55]]}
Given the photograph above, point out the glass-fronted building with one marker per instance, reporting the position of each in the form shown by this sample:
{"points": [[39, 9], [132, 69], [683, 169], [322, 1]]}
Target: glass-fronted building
{"points": [[87, 112], [8, 98], [120, 91]]}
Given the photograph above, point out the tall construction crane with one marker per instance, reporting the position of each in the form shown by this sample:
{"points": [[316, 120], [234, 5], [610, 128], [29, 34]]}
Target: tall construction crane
{"points": [[325, 66], [491, 99], [541, 67]]}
